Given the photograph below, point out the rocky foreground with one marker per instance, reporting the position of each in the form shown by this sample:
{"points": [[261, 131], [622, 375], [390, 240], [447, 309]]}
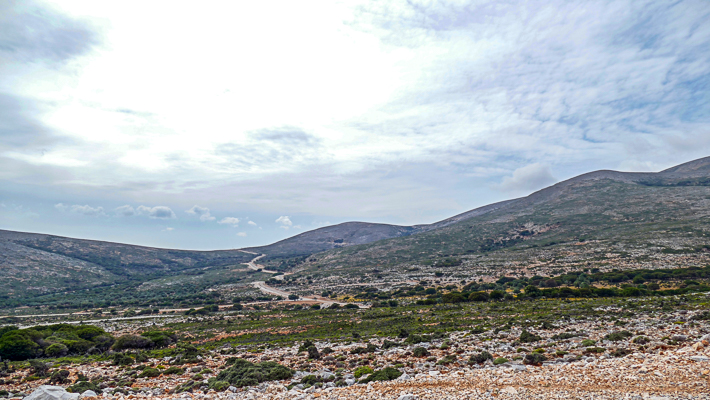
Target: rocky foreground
{"points": [[649, 357]]}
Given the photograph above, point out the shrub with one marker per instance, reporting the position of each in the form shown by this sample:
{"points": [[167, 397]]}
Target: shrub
{"points": [[219, 386], [480, 358], [388, 344], [161, 338], [413, 339], [420, 352], [174, 371], [244, 373], [83, 386], [527, 337], [385, 374], [594, 350], [122, 359], [478, 296], [534, 359], [103, 342], [363, 350], [620, 352], [564, 335], [640, 340], [313, 353], [132, 342], [305, 345], [497, 295], [56, 350], [17, 346], [446, 360], [588, 342], [500, 360], [89, 332], [59, 377], [617, 336], [39, 368], [477, 330], [351, 306], [363, 370], [149, 373]]}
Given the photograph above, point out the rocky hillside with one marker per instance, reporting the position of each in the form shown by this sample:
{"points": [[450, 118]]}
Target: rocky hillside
{"points": [[608, 218]]}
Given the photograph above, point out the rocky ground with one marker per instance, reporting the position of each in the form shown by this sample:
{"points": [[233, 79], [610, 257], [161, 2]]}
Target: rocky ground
{"points": [[655, 356]]}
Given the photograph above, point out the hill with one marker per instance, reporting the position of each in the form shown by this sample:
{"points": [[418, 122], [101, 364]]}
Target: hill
{"points": [[602, 219]]}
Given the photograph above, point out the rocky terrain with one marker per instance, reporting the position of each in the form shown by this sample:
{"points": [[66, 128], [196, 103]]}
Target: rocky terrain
{"points": [[635, 349]]}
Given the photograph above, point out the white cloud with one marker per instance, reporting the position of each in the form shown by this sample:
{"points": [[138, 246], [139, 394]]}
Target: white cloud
{"points": [[125, 211], [157, 212], [242, 234], [168, 229], [86, 209], [526, 179], [252, 223], [229, 221], [203, 212], [285, 221]]}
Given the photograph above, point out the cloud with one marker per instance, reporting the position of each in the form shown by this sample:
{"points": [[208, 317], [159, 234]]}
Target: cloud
{"points": [[125, 211], [242, 234], [285, 222], [157, 212], [86, 210], [252, 223], [203, 212], [168, 229], [229, 221], [37, 33], [526, 179]]}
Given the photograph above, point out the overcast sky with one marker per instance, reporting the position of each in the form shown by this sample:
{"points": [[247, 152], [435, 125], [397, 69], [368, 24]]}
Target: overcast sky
{"points": [[207, 125]]}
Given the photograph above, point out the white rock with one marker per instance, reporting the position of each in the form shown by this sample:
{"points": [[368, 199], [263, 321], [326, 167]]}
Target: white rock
{"points": [[48, 392], [88, 393]]}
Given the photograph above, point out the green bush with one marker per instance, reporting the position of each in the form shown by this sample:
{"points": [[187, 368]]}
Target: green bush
{"points": [[534, 359], [16, 345], [59, 377], [480, 358], [244, 373], [219, 386], [618, 336], [363, 370], [89, 332], [161, 338], [174, 371], [478, 296], [149, 373], [527, 337], [385, 374], [132, 342], [588, 342], [596, 350], [420, 352], [83, 386], [446, 360], [313, 353], [122, 359], [56, 350], [500, 360]]}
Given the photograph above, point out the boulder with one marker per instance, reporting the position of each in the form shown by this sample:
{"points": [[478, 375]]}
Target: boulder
{"points": [[48, 392]]}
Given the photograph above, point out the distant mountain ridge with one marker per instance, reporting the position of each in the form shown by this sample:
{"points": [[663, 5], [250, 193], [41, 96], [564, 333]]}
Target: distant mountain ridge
{"points": [[38, 263], [356, 233]]}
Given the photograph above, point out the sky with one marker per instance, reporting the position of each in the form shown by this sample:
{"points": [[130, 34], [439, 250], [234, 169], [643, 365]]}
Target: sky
{"points": [[218, 125]]}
